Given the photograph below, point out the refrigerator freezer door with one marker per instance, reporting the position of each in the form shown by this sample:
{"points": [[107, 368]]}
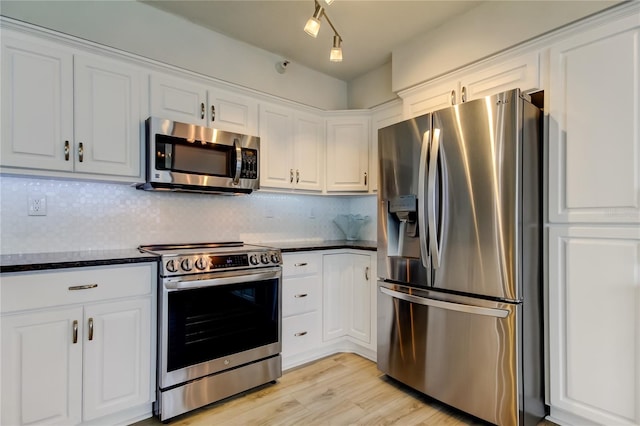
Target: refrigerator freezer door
{"points": [[459, 350], [476, 197], [402, 253]]}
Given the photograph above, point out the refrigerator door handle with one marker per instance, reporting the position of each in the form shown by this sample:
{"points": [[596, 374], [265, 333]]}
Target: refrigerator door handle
{"points": [[422, 207], [470, 309], [431, 198]]}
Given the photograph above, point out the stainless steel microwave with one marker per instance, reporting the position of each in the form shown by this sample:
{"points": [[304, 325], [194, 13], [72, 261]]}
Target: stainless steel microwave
{"points": [[189, 158]]}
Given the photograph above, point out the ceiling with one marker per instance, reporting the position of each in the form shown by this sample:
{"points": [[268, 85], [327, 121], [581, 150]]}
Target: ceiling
{"points": [[370, 29]]}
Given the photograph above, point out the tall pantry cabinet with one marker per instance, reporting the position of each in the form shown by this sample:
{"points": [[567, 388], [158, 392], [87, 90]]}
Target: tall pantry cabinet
{"points": [[594, 222]]}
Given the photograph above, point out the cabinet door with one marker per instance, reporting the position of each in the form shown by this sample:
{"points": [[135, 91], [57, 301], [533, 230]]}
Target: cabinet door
{"points": [[107, 117], [276, 147], [37, 105], [178, 99], [232, 112], [309, 152], [360, 298], [117, 344], [42, 367], [384, 116], [348, 154], [518, 73], [594, 312], [594, 125], [337, 274], [430, 97]]}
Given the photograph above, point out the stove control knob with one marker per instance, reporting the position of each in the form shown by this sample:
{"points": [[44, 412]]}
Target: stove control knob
{"points": [[201, 263], [254, 259], [171, 266], [264, 258], [275, 258], [186, 264]]}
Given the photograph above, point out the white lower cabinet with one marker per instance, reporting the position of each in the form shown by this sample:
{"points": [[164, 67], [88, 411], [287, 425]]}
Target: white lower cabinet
{"points": [[594, 316], [347, 298], [301, 304], [74, 355]]}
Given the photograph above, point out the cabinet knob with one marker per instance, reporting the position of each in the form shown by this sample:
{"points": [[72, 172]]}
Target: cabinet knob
{"points": [[202, 110], [297, 296], [365, 178], [290, 175], [66, 150], [366, 273], [80, 152], [302, 333], [301, 264], [464, 94], [297, 176], [453, 97], [213, 113]]}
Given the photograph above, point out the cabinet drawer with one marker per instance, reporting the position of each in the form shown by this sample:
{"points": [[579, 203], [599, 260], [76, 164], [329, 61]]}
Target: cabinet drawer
{"points": [[300, 295], [33, 290], [300, 333], [300, 264]]}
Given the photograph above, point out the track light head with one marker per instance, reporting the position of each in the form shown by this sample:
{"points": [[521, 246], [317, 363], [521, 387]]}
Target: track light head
{"points": [[336, 51], [313, 24]]}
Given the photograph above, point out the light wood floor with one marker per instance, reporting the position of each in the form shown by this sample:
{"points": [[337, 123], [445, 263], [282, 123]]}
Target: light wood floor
{"points": [[343, 389]]}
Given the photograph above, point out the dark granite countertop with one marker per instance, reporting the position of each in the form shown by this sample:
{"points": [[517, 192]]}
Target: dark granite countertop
{"points": [[71, 259], [294, 246]]}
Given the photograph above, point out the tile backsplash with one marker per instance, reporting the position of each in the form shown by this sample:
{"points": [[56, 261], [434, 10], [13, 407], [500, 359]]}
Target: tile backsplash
{"points": [[95, 216]]}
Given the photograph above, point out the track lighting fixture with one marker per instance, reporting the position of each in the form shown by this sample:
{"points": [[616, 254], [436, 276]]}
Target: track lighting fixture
{"points": [[312, 28]]}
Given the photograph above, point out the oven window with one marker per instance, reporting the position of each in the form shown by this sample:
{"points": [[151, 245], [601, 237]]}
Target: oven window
{"points": [[213, 322]]}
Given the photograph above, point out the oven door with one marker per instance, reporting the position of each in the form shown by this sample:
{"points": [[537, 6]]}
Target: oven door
{"points": [[218, 321]]}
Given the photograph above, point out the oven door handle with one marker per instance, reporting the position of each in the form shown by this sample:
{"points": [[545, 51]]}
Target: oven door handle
{"points": [[238, 278]]}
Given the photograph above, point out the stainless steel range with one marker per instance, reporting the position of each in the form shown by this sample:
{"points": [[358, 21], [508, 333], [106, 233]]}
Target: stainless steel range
{"points": [[219, 322]]}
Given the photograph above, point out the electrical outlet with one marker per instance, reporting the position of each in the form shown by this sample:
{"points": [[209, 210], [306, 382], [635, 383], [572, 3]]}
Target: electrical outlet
{"points": [[37, 205]]}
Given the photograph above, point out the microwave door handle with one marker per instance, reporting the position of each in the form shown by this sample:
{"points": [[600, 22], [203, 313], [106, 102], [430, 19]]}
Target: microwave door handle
{"points": [[238, 149]]}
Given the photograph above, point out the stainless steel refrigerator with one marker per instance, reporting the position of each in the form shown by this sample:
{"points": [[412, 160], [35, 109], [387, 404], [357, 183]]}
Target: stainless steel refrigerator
{"points": [[459, 261]]}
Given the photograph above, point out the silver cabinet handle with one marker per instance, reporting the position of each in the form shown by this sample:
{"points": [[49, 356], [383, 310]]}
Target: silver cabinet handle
{"points": [[90, 328], [290, 175], [366, 273], [464, 94], [66, 150], [213, 113], [202, 110], [297, 175], [80, 152], [74, 329], [301, 264], [365, 178], [83, 287], [453, 97], [451, 306], [297, 296], [302, 333]]}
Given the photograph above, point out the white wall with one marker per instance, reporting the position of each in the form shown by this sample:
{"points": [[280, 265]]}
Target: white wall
{"points": [[96, 216], [487, 29], [144, 30], [371, 89]]}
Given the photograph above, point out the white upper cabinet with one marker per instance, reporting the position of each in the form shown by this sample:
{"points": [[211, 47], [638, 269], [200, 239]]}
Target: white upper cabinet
{"points": [[291, 149], [189, 101], [480, 80], [348, 153], [594, 125], [65, 110], [382, 116], [37, 105]]}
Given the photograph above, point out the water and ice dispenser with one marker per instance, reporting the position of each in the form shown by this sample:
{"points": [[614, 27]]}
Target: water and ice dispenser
{"points": [[402, 221]]}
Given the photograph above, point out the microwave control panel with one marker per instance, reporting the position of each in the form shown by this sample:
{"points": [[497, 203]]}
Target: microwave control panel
{"points": [[249, 168]]}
